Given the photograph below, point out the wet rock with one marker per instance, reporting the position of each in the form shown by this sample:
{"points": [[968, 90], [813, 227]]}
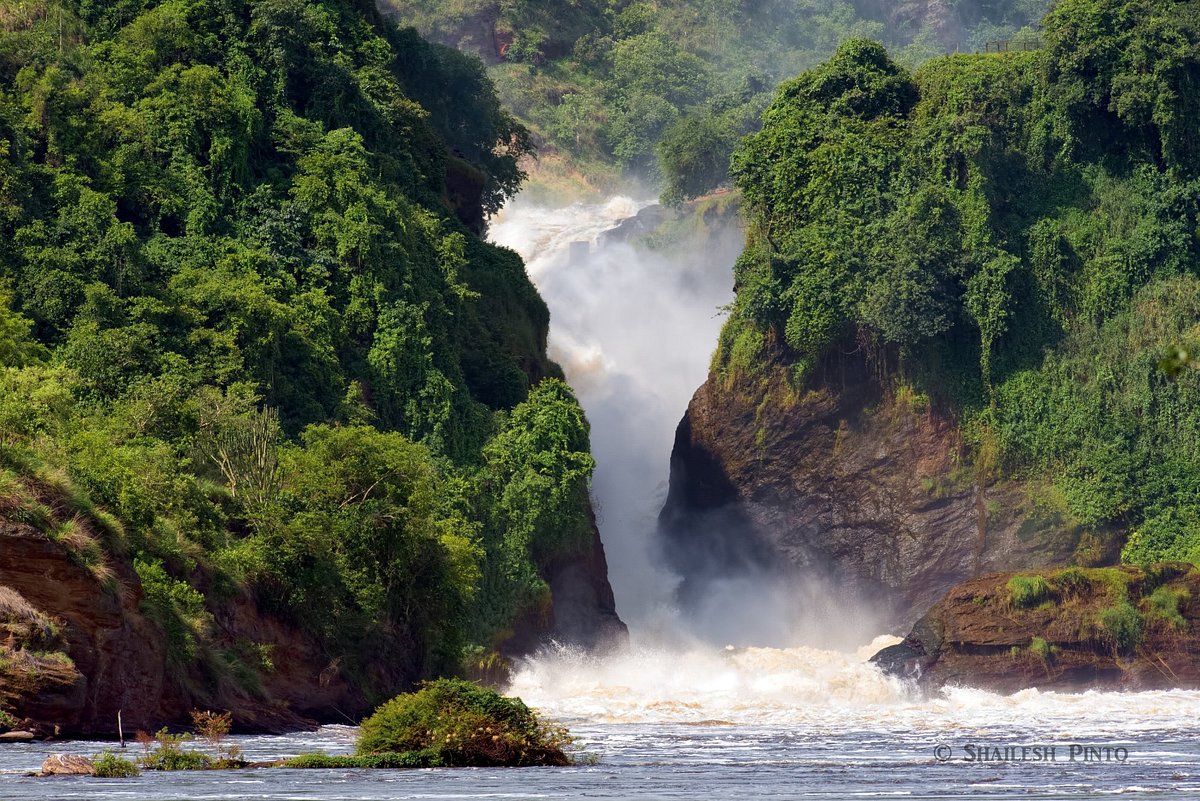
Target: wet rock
{"points": [[583, 610], [68, 765], [848, 482], [16, 737], [630, 228], [1111, 628]]}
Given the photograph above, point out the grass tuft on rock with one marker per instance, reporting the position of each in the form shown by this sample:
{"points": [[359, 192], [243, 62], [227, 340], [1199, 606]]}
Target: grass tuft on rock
{"points": [[408, 759], [1164, 605], [458, 723], [1026, 592], [1123, 624]]}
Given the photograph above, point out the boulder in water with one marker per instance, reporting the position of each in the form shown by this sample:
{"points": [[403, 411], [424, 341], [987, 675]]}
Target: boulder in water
{"points": [[68, 765]]}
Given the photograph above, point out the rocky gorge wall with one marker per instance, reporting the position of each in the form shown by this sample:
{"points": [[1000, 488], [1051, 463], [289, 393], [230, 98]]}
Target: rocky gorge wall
{"points": [[1111, 628], [852, 482], [76, 648]]}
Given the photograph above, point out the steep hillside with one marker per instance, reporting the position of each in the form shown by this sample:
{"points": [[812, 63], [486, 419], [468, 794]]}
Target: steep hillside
{"points": [[280, 423], [663, 89], [958, 287]]}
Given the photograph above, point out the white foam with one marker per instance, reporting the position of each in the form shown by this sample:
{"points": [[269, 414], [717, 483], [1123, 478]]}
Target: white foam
{"points": [[810, 687]]}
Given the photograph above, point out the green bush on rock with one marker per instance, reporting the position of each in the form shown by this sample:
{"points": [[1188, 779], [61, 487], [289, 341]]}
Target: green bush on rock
{"points": [[458, 723], [1026, 592], [110, 766], [1123, 624]]}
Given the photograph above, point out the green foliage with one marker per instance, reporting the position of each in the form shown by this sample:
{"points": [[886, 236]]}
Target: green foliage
{"points": [[250, 339], [1017, 234], [1123, 624], [1164, 605], [464, 725], [169, 754], [110, 766], [531, 495], [409, 759], [1041, 649], [17, 347], [177, 607], [1026, 592], [665, 87]]}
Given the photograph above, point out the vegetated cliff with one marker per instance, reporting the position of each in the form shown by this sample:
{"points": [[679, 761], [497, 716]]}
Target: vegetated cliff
{"points": [[1112, 628], [872, 489], [945, 352], [77, 648], [277, 422]]}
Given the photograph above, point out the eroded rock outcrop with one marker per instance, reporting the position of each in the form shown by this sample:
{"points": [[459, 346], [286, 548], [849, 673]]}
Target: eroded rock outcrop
{"points": [[865, 487], [582, 611], [88, 650], [1112, 628], [77, 648]]}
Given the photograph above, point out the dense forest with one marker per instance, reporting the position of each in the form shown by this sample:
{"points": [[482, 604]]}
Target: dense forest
{"points": [[251, 343], [663, 89], [1012, 238]]}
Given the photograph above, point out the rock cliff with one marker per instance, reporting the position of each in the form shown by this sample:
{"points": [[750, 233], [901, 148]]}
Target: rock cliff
{"points": [[1113, 628], [76, 648], [857, 482]]}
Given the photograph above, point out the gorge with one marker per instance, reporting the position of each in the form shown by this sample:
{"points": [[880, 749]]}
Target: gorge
{"points": [[878, 441]]}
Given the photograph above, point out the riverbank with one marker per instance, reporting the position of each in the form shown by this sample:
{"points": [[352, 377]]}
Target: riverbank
{"points": [[1119, 628]]}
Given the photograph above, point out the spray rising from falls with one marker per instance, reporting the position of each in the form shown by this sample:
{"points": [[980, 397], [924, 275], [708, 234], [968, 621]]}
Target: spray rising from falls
{"points": [[634, 330], [826, 692]]}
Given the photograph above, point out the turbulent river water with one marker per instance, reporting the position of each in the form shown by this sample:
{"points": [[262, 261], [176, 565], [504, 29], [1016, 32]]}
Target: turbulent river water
{"points": [[679, 715]]}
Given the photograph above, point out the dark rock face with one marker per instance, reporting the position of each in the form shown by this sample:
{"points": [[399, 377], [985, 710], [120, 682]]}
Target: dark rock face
{"points": [[116, 657], [865, 490], [975, 636], [583, 611], [81, 650]]}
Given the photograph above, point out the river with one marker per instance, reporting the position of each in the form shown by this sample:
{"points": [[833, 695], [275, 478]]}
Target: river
{"points": [[679, 714]]}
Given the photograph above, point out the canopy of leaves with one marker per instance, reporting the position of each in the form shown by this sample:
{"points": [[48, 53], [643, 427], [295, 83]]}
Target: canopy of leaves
{"points": [[664, 88], [249, 331], [1018, 232]]}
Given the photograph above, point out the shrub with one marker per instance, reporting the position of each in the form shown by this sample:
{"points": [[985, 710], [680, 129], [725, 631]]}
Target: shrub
{"points": [[213, 728], [7, 721], [1163, 604], [169, 754], [1040, 648], [1026, 592], [462, 724], [1070, 582], [110, 766], [1123, 624]]}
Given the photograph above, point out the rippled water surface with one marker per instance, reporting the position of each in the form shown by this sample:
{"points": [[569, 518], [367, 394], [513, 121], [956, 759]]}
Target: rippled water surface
{"points": [[746, 724], [660, 761]]}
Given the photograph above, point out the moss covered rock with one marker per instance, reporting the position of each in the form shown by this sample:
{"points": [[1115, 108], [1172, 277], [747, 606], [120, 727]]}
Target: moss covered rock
{"points": [[1124, 628]]}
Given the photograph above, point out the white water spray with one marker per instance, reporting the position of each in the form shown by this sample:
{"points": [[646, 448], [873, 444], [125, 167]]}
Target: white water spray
{"points": [[634, 331]]}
